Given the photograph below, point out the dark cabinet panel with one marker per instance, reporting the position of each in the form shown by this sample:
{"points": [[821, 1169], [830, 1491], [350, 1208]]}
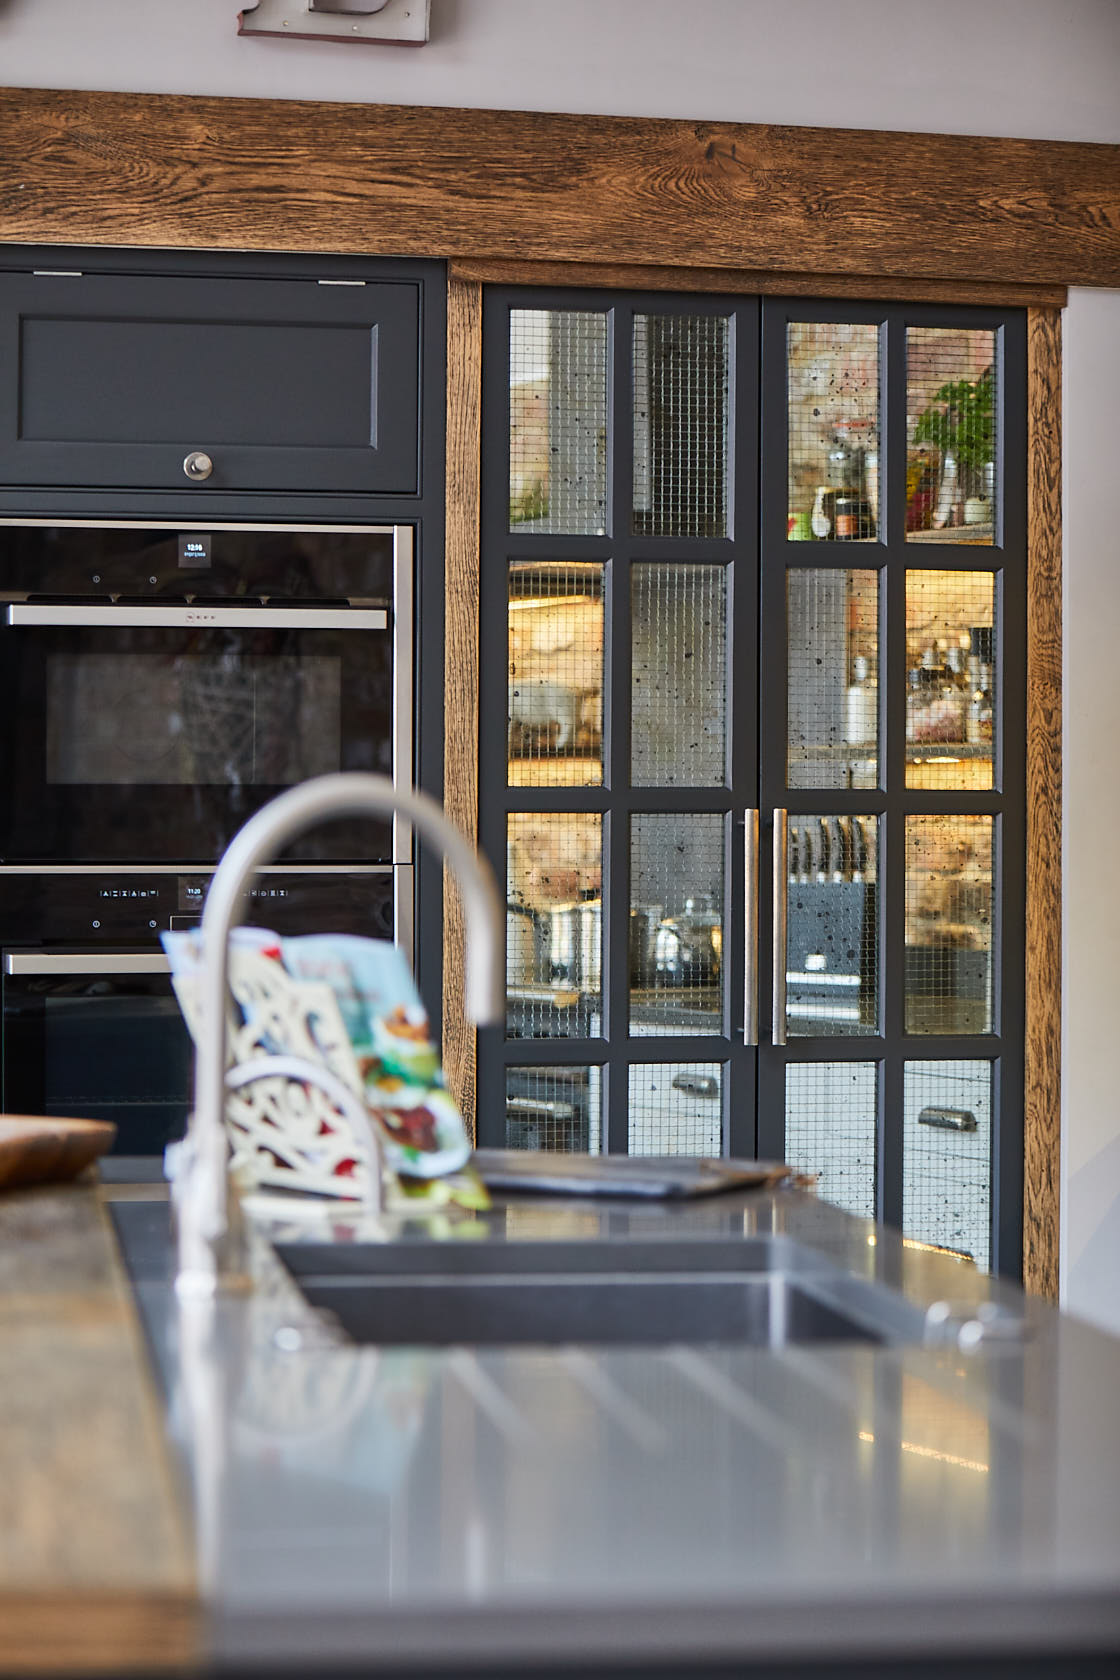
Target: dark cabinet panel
{"points": [[282, 384]]}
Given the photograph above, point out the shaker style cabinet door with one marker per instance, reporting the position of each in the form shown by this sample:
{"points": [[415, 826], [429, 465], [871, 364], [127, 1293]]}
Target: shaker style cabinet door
{"points": [[209, 384]]}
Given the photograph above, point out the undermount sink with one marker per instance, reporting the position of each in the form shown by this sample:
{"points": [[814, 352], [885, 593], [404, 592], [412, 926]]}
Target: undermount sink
{"points": [[763, 1292]]}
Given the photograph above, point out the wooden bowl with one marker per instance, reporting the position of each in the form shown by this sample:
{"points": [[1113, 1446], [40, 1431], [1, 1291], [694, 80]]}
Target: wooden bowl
{"points": [[39, 1149]]}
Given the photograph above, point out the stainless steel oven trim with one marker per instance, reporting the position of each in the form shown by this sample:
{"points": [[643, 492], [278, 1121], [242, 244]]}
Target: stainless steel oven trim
{"points": [[110, 615], [19, 963], [194, 525], [191, 869], [402, 684]]}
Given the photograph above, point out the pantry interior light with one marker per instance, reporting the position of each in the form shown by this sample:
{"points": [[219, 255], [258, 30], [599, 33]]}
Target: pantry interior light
{"points": [[523, 602]]}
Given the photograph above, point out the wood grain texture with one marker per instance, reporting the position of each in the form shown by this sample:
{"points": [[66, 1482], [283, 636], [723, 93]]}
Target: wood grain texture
{"points": [[238, 174], [96, 1568], [460, 703], [502, 271], [38, 1150], [1042, 1090]]}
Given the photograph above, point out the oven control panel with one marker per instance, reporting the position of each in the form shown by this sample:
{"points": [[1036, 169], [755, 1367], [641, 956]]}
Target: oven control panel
{"points": [[98, 909]]}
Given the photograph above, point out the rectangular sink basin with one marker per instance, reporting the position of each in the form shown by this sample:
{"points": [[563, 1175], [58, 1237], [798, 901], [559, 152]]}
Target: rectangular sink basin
{"points": [[545, 1257], [619, 1309]]}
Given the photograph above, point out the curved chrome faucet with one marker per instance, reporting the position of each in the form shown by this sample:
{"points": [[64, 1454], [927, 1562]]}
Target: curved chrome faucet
{"points": [[202, 1191]]}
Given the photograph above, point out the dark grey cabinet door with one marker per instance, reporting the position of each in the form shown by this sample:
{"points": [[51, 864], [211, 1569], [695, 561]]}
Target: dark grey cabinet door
{"points": [[285, 385]]}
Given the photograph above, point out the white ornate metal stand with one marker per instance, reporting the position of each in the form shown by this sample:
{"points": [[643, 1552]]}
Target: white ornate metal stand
{"points": [[294, 1114]]}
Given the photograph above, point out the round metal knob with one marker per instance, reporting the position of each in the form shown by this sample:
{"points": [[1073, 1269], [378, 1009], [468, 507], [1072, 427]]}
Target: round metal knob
{"points": [[198, 465]]}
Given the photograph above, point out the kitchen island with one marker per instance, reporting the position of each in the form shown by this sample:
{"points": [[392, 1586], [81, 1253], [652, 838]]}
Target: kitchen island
{"points": [[793, 1507]]}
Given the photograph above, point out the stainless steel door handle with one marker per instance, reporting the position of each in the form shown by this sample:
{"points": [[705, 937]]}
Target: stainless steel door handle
{"points": [[50, 614], [781, 924], [750, 928], [86, 962]]}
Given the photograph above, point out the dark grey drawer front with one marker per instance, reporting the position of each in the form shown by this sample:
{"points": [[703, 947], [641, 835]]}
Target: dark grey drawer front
{"points": [[282, 384]]}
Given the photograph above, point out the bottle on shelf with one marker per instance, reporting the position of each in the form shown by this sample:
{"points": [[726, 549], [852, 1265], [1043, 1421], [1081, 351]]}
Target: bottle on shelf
{"points": [[980, 705], [862, 708]]}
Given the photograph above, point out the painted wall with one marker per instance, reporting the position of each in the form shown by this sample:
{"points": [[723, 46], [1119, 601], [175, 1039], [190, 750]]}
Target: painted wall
{"points": [[1042, 68]]}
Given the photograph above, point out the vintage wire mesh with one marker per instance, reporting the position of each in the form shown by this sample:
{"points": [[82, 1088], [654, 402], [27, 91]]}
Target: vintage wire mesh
{"points": [[554, 932], [832, 961], [950, 679], [554, 1108], [832, 681], [831, 1130], [949, 924], [676, 899], [678, 675], [833, 389], [675, 1108], [681, 387], [554, 730], [558, 421], [952, 448], [946, 1156]]}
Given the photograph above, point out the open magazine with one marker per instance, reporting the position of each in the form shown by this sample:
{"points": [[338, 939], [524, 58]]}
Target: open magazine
{"points": [[390, 1059]]}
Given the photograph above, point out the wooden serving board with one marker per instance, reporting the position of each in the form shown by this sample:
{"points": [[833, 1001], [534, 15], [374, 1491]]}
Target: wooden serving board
{"points": [[39, 1149]]}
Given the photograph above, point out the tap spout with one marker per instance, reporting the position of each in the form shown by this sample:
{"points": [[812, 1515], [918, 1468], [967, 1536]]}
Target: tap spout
{"points": [[202, 1200]]}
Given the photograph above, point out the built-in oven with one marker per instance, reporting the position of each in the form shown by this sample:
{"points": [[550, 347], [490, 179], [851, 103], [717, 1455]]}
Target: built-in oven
{"points": [[160, 683], [91, 1026]]}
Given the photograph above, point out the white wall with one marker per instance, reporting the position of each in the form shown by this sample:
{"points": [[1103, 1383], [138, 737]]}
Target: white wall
{"points": [[1042, 68]]}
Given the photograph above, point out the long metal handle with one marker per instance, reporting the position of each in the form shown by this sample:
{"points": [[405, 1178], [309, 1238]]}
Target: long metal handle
{"points": [[85, 962], [750, 928], [93, 617], [781, 923], [403, 704]]}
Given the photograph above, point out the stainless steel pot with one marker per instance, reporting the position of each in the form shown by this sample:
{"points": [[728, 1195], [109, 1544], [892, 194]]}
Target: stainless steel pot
{"points": [[575, 944]]}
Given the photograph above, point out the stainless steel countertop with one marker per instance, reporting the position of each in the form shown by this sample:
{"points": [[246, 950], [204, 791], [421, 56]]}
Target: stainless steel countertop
{"points": [[693, 1502]]}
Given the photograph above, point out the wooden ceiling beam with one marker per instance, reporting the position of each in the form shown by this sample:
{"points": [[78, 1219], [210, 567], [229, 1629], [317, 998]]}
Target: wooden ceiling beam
{"points": [[124, 169]]}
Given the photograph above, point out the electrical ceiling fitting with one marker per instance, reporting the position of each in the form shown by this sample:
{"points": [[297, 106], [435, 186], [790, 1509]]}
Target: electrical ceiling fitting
{"points": [[385, 22]]}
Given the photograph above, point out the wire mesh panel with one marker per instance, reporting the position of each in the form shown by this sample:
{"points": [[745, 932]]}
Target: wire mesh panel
{"points": [[676, 922], [558, 1108], [949, 924], [681, 389], [678, 675], [554, 931], [833, 386], [951, 444], [675, 1108], [832, 678], [831, 1130], [947, 1151], [950, 679], [558, 421], [832, 964], [555, 721]]}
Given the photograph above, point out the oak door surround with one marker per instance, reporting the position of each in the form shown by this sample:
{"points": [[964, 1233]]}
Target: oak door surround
{"points": [[524, 197]]}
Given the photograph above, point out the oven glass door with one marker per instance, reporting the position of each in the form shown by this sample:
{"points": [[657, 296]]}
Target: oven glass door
{"points": [[151, 732], [97, 1036]]}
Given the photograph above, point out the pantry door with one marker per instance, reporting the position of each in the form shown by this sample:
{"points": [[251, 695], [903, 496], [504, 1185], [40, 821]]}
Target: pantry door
{"points": [[752, 770], [619, 685], [892, 756]]}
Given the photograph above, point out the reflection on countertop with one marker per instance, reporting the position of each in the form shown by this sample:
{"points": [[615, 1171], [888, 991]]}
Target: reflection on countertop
{"points": [[697, 1501]]}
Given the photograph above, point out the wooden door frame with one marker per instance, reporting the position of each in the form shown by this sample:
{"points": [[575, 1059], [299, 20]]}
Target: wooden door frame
{"points": [[555, 199]]}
